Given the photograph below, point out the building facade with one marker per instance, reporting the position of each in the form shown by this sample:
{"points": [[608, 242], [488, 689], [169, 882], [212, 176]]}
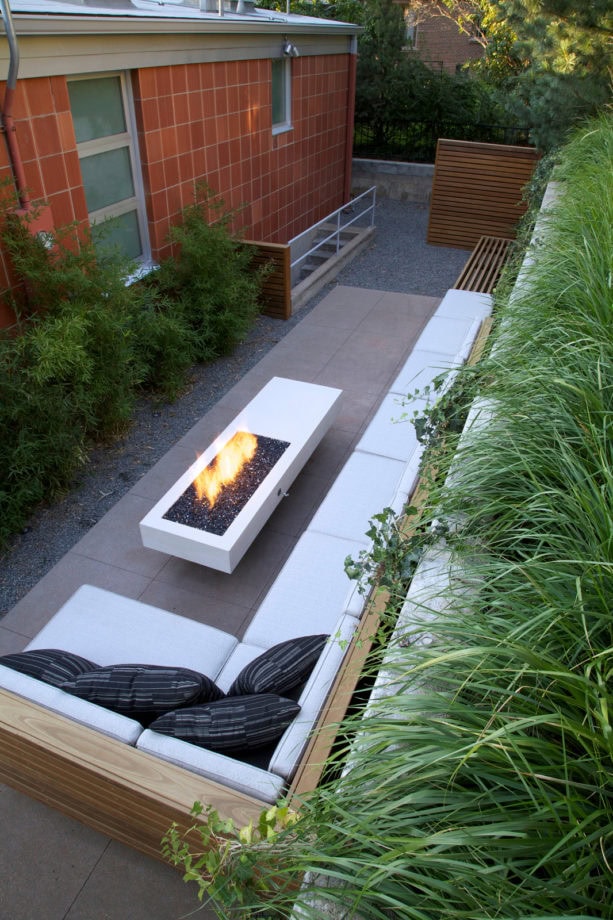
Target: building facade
{"points": [[434, 37], [120, 111]]}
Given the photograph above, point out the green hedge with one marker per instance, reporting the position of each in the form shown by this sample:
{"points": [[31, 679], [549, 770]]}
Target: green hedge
{"points": [[87, 343]]}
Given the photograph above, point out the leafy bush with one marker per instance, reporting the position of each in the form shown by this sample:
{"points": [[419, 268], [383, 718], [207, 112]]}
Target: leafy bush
{"points": [[86, 343], [209, 278]]}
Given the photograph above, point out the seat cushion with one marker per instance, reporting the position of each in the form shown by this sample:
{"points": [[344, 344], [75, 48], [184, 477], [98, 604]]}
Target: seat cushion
{"points": [[112, 629], [143, 692], [221, 768], [233, 723], [307, 595], [51, 665], [280, 668]]}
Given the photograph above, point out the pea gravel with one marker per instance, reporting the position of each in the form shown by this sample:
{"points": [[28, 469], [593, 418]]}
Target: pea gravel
{"points": [[398, 260]]}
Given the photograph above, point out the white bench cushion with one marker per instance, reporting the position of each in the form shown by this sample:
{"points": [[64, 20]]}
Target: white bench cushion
{"points": [[419, 371], [309, 592], [218, 767], [389, 437], [366, 484], [110, 723], [110, 629], [473, 304], [450, 336]]}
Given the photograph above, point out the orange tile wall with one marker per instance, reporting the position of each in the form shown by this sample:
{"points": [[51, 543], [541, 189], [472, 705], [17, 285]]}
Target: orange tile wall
{"points": [[213, 122], [197, 122], [47, 145]]}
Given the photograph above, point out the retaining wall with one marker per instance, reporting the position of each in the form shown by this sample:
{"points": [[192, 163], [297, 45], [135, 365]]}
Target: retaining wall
{"points": [[400, 181]]}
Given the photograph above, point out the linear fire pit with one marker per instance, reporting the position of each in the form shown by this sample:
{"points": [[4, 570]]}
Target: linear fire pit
{"points": [[215, 510]]}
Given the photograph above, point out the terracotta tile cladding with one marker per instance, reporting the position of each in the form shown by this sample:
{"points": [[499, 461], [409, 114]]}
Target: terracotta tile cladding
{"points": [[39, 96]]}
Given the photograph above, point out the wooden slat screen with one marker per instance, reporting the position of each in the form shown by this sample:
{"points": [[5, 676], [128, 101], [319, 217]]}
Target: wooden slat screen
{"points": [[277, 288], [477, 191]]}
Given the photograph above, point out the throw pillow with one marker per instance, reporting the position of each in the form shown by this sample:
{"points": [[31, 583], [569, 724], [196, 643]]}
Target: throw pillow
{"points": [[51, 665], [233, 723], [280, 668], [141, 691]]}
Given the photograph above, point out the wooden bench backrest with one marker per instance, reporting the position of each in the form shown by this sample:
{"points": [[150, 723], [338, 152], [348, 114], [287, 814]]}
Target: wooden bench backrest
{"points": [[477, 191]]}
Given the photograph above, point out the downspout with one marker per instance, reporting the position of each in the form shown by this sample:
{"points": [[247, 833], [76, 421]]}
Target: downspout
{"points": [[353, 64], [8, 124]]}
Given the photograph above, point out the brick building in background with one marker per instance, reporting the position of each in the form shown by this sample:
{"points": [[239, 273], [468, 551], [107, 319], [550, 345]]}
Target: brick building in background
{"points": [[436, 39], [122, 107]]}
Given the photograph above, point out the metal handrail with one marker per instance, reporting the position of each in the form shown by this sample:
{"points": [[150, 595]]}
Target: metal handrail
{"points": [[335, 234]]}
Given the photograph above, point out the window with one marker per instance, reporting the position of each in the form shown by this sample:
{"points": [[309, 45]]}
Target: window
{"points": [[410, 29], [103, 120], [281, 95]]}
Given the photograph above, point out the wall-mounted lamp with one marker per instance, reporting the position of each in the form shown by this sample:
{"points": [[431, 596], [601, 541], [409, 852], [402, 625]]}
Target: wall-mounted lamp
{"points": [[289, 50]]}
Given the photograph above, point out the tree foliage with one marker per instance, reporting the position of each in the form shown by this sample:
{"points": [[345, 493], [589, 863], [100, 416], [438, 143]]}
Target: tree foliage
{"points": [[550, 58], [340, 10]]}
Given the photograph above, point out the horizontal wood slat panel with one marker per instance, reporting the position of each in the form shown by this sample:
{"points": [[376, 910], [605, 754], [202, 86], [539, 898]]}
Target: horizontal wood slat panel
{"points": [[276, 294], [477, 191]]}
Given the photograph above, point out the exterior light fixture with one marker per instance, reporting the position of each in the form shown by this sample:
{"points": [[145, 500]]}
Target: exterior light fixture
{"points": [[289, 50]]}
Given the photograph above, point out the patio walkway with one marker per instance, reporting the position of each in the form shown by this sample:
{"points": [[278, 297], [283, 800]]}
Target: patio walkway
{"points": [[52, 867]]}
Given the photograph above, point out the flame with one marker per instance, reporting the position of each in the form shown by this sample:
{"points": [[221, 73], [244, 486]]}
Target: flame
{"points": [[226, 466]]}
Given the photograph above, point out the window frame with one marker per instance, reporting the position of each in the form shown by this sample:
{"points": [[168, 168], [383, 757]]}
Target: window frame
{"points": [[279, 127], [127, 139]]}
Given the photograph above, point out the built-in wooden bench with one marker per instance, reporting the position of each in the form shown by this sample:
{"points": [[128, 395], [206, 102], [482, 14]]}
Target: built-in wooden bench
{"points": [[133, 795], [485, 264]]}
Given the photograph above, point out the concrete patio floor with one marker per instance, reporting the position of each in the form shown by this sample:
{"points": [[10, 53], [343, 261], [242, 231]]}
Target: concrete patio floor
{"points": [[54, 868]]}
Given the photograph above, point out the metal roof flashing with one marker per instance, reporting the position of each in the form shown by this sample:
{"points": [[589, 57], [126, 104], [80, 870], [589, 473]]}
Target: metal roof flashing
{"points": [[38, 16]]}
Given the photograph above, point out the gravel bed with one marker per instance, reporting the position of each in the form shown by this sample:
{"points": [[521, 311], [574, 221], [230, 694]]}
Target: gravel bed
{"points": [[398, 260]]}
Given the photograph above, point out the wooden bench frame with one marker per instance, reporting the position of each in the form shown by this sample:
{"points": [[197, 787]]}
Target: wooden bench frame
{"points": [[485, 264], [133, 796]]}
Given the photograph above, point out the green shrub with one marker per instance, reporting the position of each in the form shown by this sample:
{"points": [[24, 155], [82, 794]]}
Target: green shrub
{"points": [[87, 343], [209, 277], [43, 417], [164, 342]]}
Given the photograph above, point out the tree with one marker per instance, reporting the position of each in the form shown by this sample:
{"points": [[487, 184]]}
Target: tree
{"points": [[565, 50], [385, 75], [551, 58], [341, 10]]}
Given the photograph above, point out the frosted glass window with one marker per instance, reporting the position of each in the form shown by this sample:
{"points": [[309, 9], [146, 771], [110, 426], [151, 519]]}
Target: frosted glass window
{"points": [[107, 178], [119, 233], [97, 108], [103, 120]]}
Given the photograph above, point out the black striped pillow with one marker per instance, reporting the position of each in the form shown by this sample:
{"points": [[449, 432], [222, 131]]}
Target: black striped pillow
{"points": [[280, 668], [51, 665], [141, 691], [231, 724]]}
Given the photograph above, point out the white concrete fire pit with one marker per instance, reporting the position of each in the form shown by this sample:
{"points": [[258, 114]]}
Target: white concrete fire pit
{"points": [[215, 510]]}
